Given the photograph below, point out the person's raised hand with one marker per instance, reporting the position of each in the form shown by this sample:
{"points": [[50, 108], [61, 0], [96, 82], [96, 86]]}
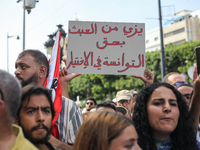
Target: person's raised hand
{"points": [[195, 74], [64, 76], [147, 78]]}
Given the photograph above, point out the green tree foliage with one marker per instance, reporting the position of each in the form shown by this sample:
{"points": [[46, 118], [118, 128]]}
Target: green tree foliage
{"points": [[153, 64], [178, 58]]}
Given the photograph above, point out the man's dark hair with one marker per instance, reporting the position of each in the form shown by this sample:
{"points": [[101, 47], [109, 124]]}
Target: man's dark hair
{"points": [[107, 105], [30, 90], [111, 102], [10, 93], [92, 99], [39, 57], [188, 85], [180, 140], [166, 77]]}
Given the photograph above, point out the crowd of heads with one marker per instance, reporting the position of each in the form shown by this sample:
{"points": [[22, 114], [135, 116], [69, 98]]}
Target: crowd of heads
{"points": [[158, 112], [29, 107]]}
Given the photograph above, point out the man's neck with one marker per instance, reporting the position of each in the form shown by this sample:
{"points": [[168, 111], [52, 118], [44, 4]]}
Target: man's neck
{"points": [[6, 140], [40, 83], [42, 147], [6, 129]]}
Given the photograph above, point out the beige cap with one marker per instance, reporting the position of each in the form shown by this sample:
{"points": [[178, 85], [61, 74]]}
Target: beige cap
{"points": [[124, 94]]}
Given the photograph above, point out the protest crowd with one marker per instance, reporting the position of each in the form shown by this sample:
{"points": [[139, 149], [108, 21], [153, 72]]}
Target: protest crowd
{"points": [[37, 113]]}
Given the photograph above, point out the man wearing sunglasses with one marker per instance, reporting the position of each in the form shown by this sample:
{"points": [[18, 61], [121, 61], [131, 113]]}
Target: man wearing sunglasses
{"points": [[90, 103], [174, 79], [125, 99]]}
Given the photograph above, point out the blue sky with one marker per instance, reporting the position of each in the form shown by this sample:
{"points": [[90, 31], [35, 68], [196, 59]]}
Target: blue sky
{"points": [[48, 13]]}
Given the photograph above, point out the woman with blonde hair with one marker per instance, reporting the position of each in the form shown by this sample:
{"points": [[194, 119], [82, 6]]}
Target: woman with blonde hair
{"points": [[106, 131]]}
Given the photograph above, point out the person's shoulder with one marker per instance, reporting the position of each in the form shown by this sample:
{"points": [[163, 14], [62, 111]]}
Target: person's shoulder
{"points": [[28, 145], [50, 146], [69, 101], [21, 143], [72, 109], [70, 104], [198, 144]]}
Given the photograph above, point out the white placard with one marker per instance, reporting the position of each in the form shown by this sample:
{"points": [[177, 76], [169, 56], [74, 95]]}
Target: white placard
{"points": [[106, 48]]}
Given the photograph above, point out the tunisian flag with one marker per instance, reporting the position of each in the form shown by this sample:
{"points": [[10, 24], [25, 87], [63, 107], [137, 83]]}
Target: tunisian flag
{"points": [[52, 82]]}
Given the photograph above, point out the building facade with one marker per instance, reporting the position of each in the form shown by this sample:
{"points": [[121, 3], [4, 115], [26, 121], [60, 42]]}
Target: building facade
{"points": [[184, 26]]}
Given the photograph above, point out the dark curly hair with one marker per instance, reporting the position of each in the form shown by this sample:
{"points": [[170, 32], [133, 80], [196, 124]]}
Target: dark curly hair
{"points": [[183, 137]]}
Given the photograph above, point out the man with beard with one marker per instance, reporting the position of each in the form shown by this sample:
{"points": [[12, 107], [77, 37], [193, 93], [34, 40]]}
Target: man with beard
{"points": [[35, 115], [11, 136], [32, 67]]}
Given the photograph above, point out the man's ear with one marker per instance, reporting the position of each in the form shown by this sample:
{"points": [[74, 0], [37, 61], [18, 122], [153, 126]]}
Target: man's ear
{"points": [[16, 120], [2, 107], [42, 72], [133, 101]]}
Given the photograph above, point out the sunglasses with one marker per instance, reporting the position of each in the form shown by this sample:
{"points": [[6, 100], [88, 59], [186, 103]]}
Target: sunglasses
{"points": [[179, 83], [89, 103], [124, 101], [1, 95]]}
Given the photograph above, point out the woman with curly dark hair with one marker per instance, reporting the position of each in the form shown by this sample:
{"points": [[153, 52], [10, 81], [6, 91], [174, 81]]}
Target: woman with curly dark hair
{"points": [[162, 119]]}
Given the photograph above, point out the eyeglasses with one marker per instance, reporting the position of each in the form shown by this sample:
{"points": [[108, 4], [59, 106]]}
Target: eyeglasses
{"points": [[1, 93], [89, 103], [179, 83], [124, 101]]}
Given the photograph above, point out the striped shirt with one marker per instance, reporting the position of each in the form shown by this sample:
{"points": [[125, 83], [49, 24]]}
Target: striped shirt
{"points": [[69, 120]]}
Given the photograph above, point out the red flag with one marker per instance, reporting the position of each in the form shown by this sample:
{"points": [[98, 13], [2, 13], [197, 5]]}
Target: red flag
{"points": [[53, 83]]}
